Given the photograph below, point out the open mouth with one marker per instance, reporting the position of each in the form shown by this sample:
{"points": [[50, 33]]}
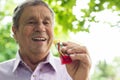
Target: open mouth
{"points": [[39, 39]]}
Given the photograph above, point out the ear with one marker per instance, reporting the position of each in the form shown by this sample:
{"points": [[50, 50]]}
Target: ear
{"points": [[14, 30]]}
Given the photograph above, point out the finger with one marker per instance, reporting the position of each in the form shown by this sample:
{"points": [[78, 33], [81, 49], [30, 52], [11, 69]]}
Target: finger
{"points": [[74, 49], [70, 48], [84, 58], [65, 43], [77, 49], [68, 43]]}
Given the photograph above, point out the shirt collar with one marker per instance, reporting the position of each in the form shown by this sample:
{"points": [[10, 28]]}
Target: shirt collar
{"points": [[50, 60], [17, 61]]}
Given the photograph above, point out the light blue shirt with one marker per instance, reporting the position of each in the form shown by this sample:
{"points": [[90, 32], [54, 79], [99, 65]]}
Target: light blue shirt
{"points": [[16, 69]]}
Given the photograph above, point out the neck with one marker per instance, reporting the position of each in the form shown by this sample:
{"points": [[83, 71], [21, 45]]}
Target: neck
{"points": [[33, 60]]}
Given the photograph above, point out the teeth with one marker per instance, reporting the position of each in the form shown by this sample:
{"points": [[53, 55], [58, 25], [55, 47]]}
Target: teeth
{"points": [[39, 39]]}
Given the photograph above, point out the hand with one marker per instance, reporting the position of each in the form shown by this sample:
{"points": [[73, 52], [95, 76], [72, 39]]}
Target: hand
{"points": [[80, 66]]}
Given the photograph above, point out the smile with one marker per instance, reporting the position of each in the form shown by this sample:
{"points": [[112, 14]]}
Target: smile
{"points": [[39, 39]]}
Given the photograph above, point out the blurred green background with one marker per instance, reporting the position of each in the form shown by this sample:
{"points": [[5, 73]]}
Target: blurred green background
{"points": [[66, 21]]}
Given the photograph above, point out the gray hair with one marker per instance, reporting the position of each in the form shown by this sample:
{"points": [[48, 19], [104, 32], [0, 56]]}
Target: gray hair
{"points": [[19, 10]]}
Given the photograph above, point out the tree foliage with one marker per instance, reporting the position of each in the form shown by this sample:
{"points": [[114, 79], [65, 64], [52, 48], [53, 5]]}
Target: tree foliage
{"points": [[65, 17], [107, 71], [7, 44]]}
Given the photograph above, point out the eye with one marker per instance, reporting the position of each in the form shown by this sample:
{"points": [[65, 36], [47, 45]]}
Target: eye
{"points": [[31, 22], [46, 22]]}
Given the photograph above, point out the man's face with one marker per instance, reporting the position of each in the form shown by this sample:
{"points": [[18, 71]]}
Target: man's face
{"points": [[35, 32]]}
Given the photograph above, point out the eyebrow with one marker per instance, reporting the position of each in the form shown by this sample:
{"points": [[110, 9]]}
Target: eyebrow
{"points": [[34, 18], [31, 18], [47, 18]]}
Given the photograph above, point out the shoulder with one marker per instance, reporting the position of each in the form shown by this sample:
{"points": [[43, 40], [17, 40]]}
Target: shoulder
{"points": [[7, 65], [6, 68], [8, 62]]}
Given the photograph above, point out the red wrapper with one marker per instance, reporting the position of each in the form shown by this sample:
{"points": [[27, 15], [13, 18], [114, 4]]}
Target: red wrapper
{"points": [[65, 59]]}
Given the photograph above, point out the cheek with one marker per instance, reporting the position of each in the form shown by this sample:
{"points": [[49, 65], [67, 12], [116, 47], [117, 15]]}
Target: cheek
{"points": [[23, 36], [27, 31], [50, 32]]}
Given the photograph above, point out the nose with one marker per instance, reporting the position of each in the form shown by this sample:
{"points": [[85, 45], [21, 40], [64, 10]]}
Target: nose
{"points": [[40, 27]]}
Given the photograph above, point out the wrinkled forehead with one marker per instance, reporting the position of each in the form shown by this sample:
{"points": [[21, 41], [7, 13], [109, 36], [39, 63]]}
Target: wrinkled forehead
{"points": [[36, 12]]}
